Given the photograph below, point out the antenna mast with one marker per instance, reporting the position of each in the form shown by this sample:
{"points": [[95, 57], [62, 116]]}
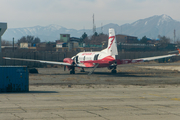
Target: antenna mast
{"points": [[174, 35], [101, 28], [94, 27]]}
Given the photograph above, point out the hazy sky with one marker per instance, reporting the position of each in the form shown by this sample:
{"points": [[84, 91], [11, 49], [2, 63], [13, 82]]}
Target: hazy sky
{"points": [[77, 14]]}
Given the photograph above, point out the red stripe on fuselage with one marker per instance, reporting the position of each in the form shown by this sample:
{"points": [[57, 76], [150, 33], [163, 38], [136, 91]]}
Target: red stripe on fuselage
{"points": [[109, 58], [105, 62]]}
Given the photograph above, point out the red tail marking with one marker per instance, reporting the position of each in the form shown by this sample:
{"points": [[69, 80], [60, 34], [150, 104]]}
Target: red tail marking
{"points": [[111, 41], [178, 50]]}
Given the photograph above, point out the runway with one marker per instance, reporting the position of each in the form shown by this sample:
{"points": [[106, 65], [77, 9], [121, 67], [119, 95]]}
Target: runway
{"points": [[97, 102], [134, 93]]}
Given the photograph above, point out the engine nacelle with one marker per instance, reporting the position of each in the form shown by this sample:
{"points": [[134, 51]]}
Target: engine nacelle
{"points": [[68, 60]]}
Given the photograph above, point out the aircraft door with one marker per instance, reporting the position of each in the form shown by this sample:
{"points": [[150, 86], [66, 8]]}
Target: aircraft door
{"points": [[96, 57], [76, 59]]}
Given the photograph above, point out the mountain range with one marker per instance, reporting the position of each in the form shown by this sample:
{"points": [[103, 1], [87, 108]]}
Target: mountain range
{"points": [[150, 27]]}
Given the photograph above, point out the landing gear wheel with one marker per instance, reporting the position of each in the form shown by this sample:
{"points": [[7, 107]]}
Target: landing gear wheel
{"points": [[72, 72], [113, 71], [82, 70]]}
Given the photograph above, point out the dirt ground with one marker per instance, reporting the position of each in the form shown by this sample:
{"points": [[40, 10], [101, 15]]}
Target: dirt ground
{"points": [[142, 74]]}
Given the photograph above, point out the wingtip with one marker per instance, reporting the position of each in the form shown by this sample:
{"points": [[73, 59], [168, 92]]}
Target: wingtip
{"points": [[6, 58]]}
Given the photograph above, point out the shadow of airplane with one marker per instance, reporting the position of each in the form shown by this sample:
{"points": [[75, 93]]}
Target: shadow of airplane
{"points": [[109, 74]]}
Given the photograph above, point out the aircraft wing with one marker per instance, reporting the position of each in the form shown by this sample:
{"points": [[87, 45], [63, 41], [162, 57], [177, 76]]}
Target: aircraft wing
{"points": [[40, 61], [160, 57], [157, 57], [126, 61], [84, 65]]}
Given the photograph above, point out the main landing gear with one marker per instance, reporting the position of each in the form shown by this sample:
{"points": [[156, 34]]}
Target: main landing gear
{"points": [[82, 70], [113, 69], [72, 70]]}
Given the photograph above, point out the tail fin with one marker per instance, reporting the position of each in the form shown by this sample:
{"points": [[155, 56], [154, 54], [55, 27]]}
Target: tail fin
{"points": [[112, 44]]}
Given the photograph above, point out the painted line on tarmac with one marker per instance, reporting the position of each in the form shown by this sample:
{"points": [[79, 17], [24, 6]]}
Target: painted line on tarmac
{"points": [[174, 99]]}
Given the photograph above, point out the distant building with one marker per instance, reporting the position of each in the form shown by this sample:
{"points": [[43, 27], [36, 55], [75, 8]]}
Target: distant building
{"points": [[64, 37], [50, 46], [125, 39], [25, 45], [61, 44], [73, 43], [67, 41]]}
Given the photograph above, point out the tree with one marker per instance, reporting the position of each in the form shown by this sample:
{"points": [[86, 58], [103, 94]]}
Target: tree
{"points": [[5, 43], [96, 40], [83, 37], [95, 34], [22, 40], [144, 40], [28, 39], [164, 39], [36, 40], [178, 42]]}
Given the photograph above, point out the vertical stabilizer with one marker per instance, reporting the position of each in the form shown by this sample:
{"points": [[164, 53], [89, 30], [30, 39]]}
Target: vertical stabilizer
{"points": [[112, 44]]}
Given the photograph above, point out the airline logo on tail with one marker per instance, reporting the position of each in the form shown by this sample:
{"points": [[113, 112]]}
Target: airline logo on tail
{"points": [[113, 37]]}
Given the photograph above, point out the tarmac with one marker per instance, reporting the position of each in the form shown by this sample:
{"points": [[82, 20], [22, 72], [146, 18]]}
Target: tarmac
{"points": [[135, 92]]}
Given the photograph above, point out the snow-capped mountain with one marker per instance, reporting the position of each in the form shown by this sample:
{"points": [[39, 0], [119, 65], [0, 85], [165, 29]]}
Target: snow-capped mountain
{"points": [[151, 27], [47, 33]]}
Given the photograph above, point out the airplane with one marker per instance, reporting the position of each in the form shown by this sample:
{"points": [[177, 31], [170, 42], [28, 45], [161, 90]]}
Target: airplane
{"points": [[99, 59]]}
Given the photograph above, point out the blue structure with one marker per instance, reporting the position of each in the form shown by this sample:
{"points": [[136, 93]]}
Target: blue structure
{"points": [[14, 79]]}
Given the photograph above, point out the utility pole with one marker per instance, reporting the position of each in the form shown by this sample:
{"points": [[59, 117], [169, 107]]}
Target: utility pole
{"points": [[101, 28], [13, 44], [174, 35]]}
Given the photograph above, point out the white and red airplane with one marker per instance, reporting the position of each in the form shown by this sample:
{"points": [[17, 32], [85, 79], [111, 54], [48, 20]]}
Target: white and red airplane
{"points": [[104, 58]]}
